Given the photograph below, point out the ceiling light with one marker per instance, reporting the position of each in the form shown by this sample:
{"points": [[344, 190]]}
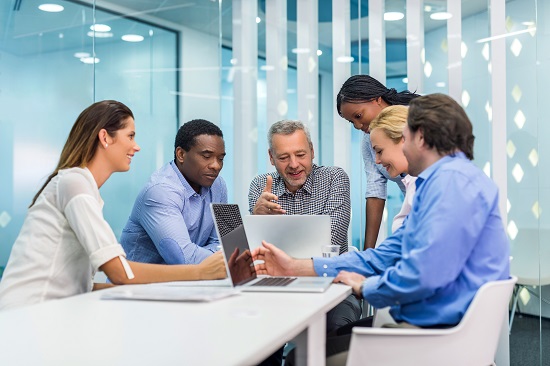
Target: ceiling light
{"points": [[81, 54], [89, 60], [345, 59], [391, 16], [319, 52], [132, 38], [442, 15], [100, 27], [267, 67], [427, 8], [405, 80], [99, 34], [440, 84], [258, 20], [51, 8]]}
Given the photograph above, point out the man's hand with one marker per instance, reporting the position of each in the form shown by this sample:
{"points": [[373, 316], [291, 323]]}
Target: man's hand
{"points": [[355, 280], [276, 262], [265, 205], [240, 266]]}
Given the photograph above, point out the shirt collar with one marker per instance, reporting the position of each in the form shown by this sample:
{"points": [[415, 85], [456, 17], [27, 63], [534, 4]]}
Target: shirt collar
{"points": [[280, 187], [435, 166], [189, 191]]}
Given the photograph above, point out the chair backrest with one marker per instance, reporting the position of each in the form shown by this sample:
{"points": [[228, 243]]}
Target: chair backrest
{"points": [[483, 318], [473, 341]]}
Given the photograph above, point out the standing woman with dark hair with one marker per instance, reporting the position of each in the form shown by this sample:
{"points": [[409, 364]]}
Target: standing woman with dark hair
{"points": [[359, 101], [65, 239]]}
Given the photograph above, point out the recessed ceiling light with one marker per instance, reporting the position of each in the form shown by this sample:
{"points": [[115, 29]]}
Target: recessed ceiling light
{"points": [[427, 8], [100, 27], [81, 54], [99, 34], [405, 80], [132, 38], [267, 67], [51, 8], [391, 16], [442, 15], [89, 60], [345, 59], [258, 20], [319, 52]]}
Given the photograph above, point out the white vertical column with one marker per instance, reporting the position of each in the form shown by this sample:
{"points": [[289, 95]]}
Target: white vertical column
{"points": [[245, 53], [377, 41], [454, 36], [415, 45], [308, 67], [498, 90], [276, 62], [499, 172], [341, 71]]}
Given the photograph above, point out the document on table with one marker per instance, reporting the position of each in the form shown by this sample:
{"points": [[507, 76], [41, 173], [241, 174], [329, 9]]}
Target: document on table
{"points": [[168, 293]]}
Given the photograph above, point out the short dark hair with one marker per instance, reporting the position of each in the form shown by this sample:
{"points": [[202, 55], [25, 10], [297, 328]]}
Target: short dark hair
{"points": [[364, 88], [443, 122], [186, 136]]}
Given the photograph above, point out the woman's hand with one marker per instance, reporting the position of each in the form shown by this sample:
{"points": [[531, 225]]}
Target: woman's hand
{"points": [[213, 267]]}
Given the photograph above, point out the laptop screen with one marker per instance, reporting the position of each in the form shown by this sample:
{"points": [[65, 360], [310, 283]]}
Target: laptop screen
{"points": [[238, 258]]}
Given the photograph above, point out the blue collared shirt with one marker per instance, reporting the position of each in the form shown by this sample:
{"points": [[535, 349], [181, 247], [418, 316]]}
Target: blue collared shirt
{"points": [[377, 176], [170, 222], [451, 243]]}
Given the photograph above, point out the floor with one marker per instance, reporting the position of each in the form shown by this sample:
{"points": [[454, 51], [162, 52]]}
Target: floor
{"points": [[526, 341]]}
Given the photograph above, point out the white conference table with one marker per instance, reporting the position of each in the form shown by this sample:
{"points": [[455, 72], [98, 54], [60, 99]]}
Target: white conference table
{"points": [[239, 330]]}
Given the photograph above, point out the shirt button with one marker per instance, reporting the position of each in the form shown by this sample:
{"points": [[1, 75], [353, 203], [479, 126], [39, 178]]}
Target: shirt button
{"points": [[325, 266], [324, 274]]}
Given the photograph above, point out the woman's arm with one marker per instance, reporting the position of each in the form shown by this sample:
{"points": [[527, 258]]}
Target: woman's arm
{"points": [[211, 268]]}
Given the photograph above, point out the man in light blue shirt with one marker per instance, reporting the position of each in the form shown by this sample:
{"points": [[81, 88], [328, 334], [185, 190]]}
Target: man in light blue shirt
{"points": [[451, 243], [171, 221]]}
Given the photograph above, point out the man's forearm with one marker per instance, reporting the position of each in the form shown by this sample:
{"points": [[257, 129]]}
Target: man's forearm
{"points": [[303, 267], [374, 211]]}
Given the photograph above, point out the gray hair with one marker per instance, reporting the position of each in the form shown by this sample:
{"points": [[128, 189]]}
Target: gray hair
{"points": [[286, 127]]}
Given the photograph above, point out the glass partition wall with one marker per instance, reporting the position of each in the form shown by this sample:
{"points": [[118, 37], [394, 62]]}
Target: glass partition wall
{"points": [[247, 64]]}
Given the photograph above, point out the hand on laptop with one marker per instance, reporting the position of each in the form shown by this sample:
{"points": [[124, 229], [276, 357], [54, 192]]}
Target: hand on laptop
{"points": [[265, 205], [278, 263], [212, 268], [355, 280]]}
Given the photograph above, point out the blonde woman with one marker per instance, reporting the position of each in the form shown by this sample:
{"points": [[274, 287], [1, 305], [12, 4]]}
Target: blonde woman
{"points": [[65, 239], [386, 134]]}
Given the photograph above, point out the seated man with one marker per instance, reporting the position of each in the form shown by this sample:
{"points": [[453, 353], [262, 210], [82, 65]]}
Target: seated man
{"points": [[451, 243], [299, 187], [171, 221]]}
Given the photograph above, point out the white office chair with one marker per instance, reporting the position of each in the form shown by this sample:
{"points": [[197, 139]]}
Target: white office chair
{"points": [[530, 264], [472, 342]]}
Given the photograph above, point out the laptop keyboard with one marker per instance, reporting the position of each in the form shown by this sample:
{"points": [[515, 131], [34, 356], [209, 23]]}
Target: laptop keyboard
{"points": [[274, 281]]}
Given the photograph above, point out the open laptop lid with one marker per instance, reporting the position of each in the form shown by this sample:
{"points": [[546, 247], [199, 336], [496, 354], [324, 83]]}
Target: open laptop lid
{"points": [[300, 236], [236, 252]]}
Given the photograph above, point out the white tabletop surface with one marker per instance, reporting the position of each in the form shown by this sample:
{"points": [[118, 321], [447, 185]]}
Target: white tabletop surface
{"points": [[238, 330]]}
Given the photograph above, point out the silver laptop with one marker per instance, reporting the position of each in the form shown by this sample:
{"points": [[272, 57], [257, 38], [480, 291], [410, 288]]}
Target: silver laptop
{"points": [[300, 236], [236, 251]]}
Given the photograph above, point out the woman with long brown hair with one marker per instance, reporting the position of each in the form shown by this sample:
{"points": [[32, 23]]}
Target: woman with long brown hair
{"points": [[65, 239]]}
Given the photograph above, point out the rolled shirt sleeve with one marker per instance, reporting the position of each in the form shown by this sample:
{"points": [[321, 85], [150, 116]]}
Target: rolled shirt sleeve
{"points": [[84, 215]]}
